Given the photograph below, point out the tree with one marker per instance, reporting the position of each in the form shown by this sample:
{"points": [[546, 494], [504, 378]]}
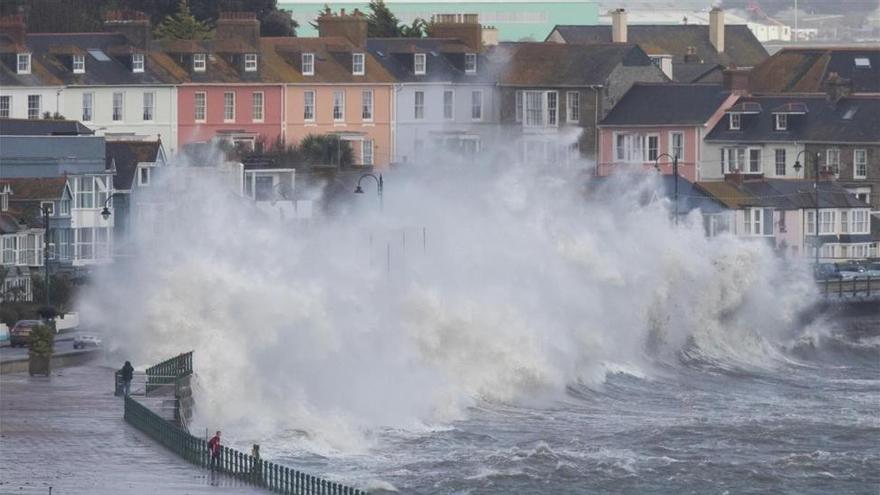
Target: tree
{"points": [[182, 25], [381, 22], [277, 23], [415, 30]]}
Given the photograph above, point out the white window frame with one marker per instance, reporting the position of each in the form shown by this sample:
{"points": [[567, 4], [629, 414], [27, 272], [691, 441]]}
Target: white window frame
{"points": [[780, 162], [5, 106], [358, 64], [143, 174], [420, 64], [200, 62], [23, 63], [860, 163], [88, 106], [477, 105], [844, 222], [760, 161], [572, 107], [543, 110], [735, 121], [200, 106], [630, 147], [520, 105], [833, 166], [367, 105], [827, 221], [755, 222], [861, 221], [449, 106], [470, 63], [137, 62], [679, 150], [339, 106], [780, 121], [418, 105], [648, 138], [308, 64], [367, 157], [118, 111], [250, 62], [149, 97], [34, 112], [79, 64], [258, 106], [228, 110], [309, 109]]}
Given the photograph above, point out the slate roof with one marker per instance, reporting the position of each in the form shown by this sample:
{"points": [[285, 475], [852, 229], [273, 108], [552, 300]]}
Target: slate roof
{"points": [[783, 194], [690, 197], [32, 127], [126, 155], [805, 70], [444, 59], [34, 189], [741, 48], [850, 120], [333, 61], [666, 104], [695, 72], [556, 64]]}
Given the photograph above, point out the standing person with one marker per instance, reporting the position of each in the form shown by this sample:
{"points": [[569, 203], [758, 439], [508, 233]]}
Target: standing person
{"points": [[214, 449], [127, 374]]}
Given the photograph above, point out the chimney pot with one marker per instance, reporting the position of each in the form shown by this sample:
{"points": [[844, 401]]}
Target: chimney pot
{"points": [[350, 26], [716, 29], [133, 24], [618, 26]]}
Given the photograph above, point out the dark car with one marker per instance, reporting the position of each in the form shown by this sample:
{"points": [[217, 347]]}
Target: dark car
{"points": [[20, 335], [827, 271], [851, 270]]}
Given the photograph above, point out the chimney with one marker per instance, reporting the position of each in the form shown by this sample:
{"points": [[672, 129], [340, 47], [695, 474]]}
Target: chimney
{"points": [[716, 29], [14, 27], [352, 26], [618, 25], [734, 178], [837, 87], [490, 36], [238, 26], [135, 25], [690, 57], [736, 80], [464, 27]]}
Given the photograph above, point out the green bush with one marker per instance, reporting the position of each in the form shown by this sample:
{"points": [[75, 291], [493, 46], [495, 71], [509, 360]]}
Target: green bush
{"points": [[42, 341]]}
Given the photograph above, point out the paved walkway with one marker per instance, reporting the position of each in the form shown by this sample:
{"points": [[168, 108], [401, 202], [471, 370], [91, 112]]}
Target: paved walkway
{"points": [[67, 432]]}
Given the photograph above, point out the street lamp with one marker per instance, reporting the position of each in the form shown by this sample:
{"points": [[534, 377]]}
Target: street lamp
{"points": [[797, 168], [675, 179], [105, 213], [379, 182], [46, 208]]}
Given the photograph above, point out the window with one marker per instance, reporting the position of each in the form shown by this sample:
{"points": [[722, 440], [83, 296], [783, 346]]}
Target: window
{"points": [[35, 106], [826, 221], [860, 164], [629, 148], [653, 147], [735, 121], [367, 152], [832, 161], [144, 176], [309, 105], [257, 106], [24, 63], [448, 104], [48, 205], [827, 250], [308, 64], [860, 224], [229, 106], [357, 64], [419, 105], [88, 100], [200, 62], [758, 221], [519, 106], [733, 160], [64, 207], [781, 121], [419, 64], [149, 103], [811, 222], [539, 108], [367, 105], [85, 243], [79, 64], [338, 106], [470, 63], [476, 105], [844, 222], [200, 107], [250, 62], [676, 144], [572, 107], [9, 249], [780, 162], [5, 104], [755, 161], [85, 192], [137, 62], [118, 109]]}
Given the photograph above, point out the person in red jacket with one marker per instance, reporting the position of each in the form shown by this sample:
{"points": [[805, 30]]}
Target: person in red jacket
{"points": [[214, 449]]}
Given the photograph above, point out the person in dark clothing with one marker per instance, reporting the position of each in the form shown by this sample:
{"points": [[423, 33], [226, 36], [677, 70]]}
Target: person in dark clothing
{"points": [[127, 374], [214, 449]]}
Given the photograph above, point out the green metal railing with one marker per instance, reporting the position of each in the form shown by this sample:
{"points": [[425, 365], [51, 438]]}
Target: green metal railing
{"points": [[169, 371]]}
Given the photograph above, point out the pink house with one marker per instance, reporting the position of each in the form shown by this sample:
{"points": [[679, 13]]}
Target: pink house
{"points": [[653, 123]]}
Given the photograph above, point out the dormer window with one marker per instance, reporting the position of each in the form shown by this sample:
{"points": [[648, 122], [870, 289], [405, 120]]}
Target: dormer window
{"points": [[24, 63], [250, 62], [470, 63], [357, 64], [862, 63], [200, 62], [781, 121], [79, 64], [419, 64], [735, 121], [308, 64], [137, 62]]}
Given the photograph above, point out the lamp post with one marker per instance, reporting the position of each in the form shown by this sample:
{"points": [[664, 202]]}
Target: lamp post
{"points": [[379, 182], [675, 180], [46, 208], [105, 212], [797, 168]]}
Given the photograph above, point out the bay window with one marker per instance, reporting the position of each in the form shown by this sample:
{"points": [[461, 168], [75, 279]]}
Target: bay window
{"points": [[540, 108], [826, 221], [860, 223], [758, 221]]}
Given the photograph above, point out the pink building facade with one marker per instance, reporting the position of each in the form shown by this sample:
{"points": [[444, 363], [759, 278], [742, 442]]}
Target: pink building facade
{"points": [[248, 115]]}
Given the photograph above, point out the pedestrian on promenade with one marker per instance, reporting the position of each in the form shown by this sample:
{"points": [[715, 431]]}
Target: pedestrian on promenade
{"points": [[127, 374], [214, 448]]}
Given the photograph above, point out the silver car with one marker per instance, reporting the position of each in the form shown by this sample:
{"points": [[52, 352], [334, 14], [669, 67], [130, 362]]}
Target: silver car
{"points": [[83, 341]]}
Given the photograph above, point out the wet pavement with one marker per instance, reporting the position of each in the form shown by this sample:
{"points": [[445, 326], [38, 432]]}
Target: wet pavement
{"points": [[66, 432]]}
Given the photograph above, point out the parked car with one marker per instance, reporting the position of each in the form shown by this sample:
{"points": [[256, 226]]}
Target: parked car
{"points": [[83, 341], [872, 269], [20, 335], [849, 271], [827, 271]]}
